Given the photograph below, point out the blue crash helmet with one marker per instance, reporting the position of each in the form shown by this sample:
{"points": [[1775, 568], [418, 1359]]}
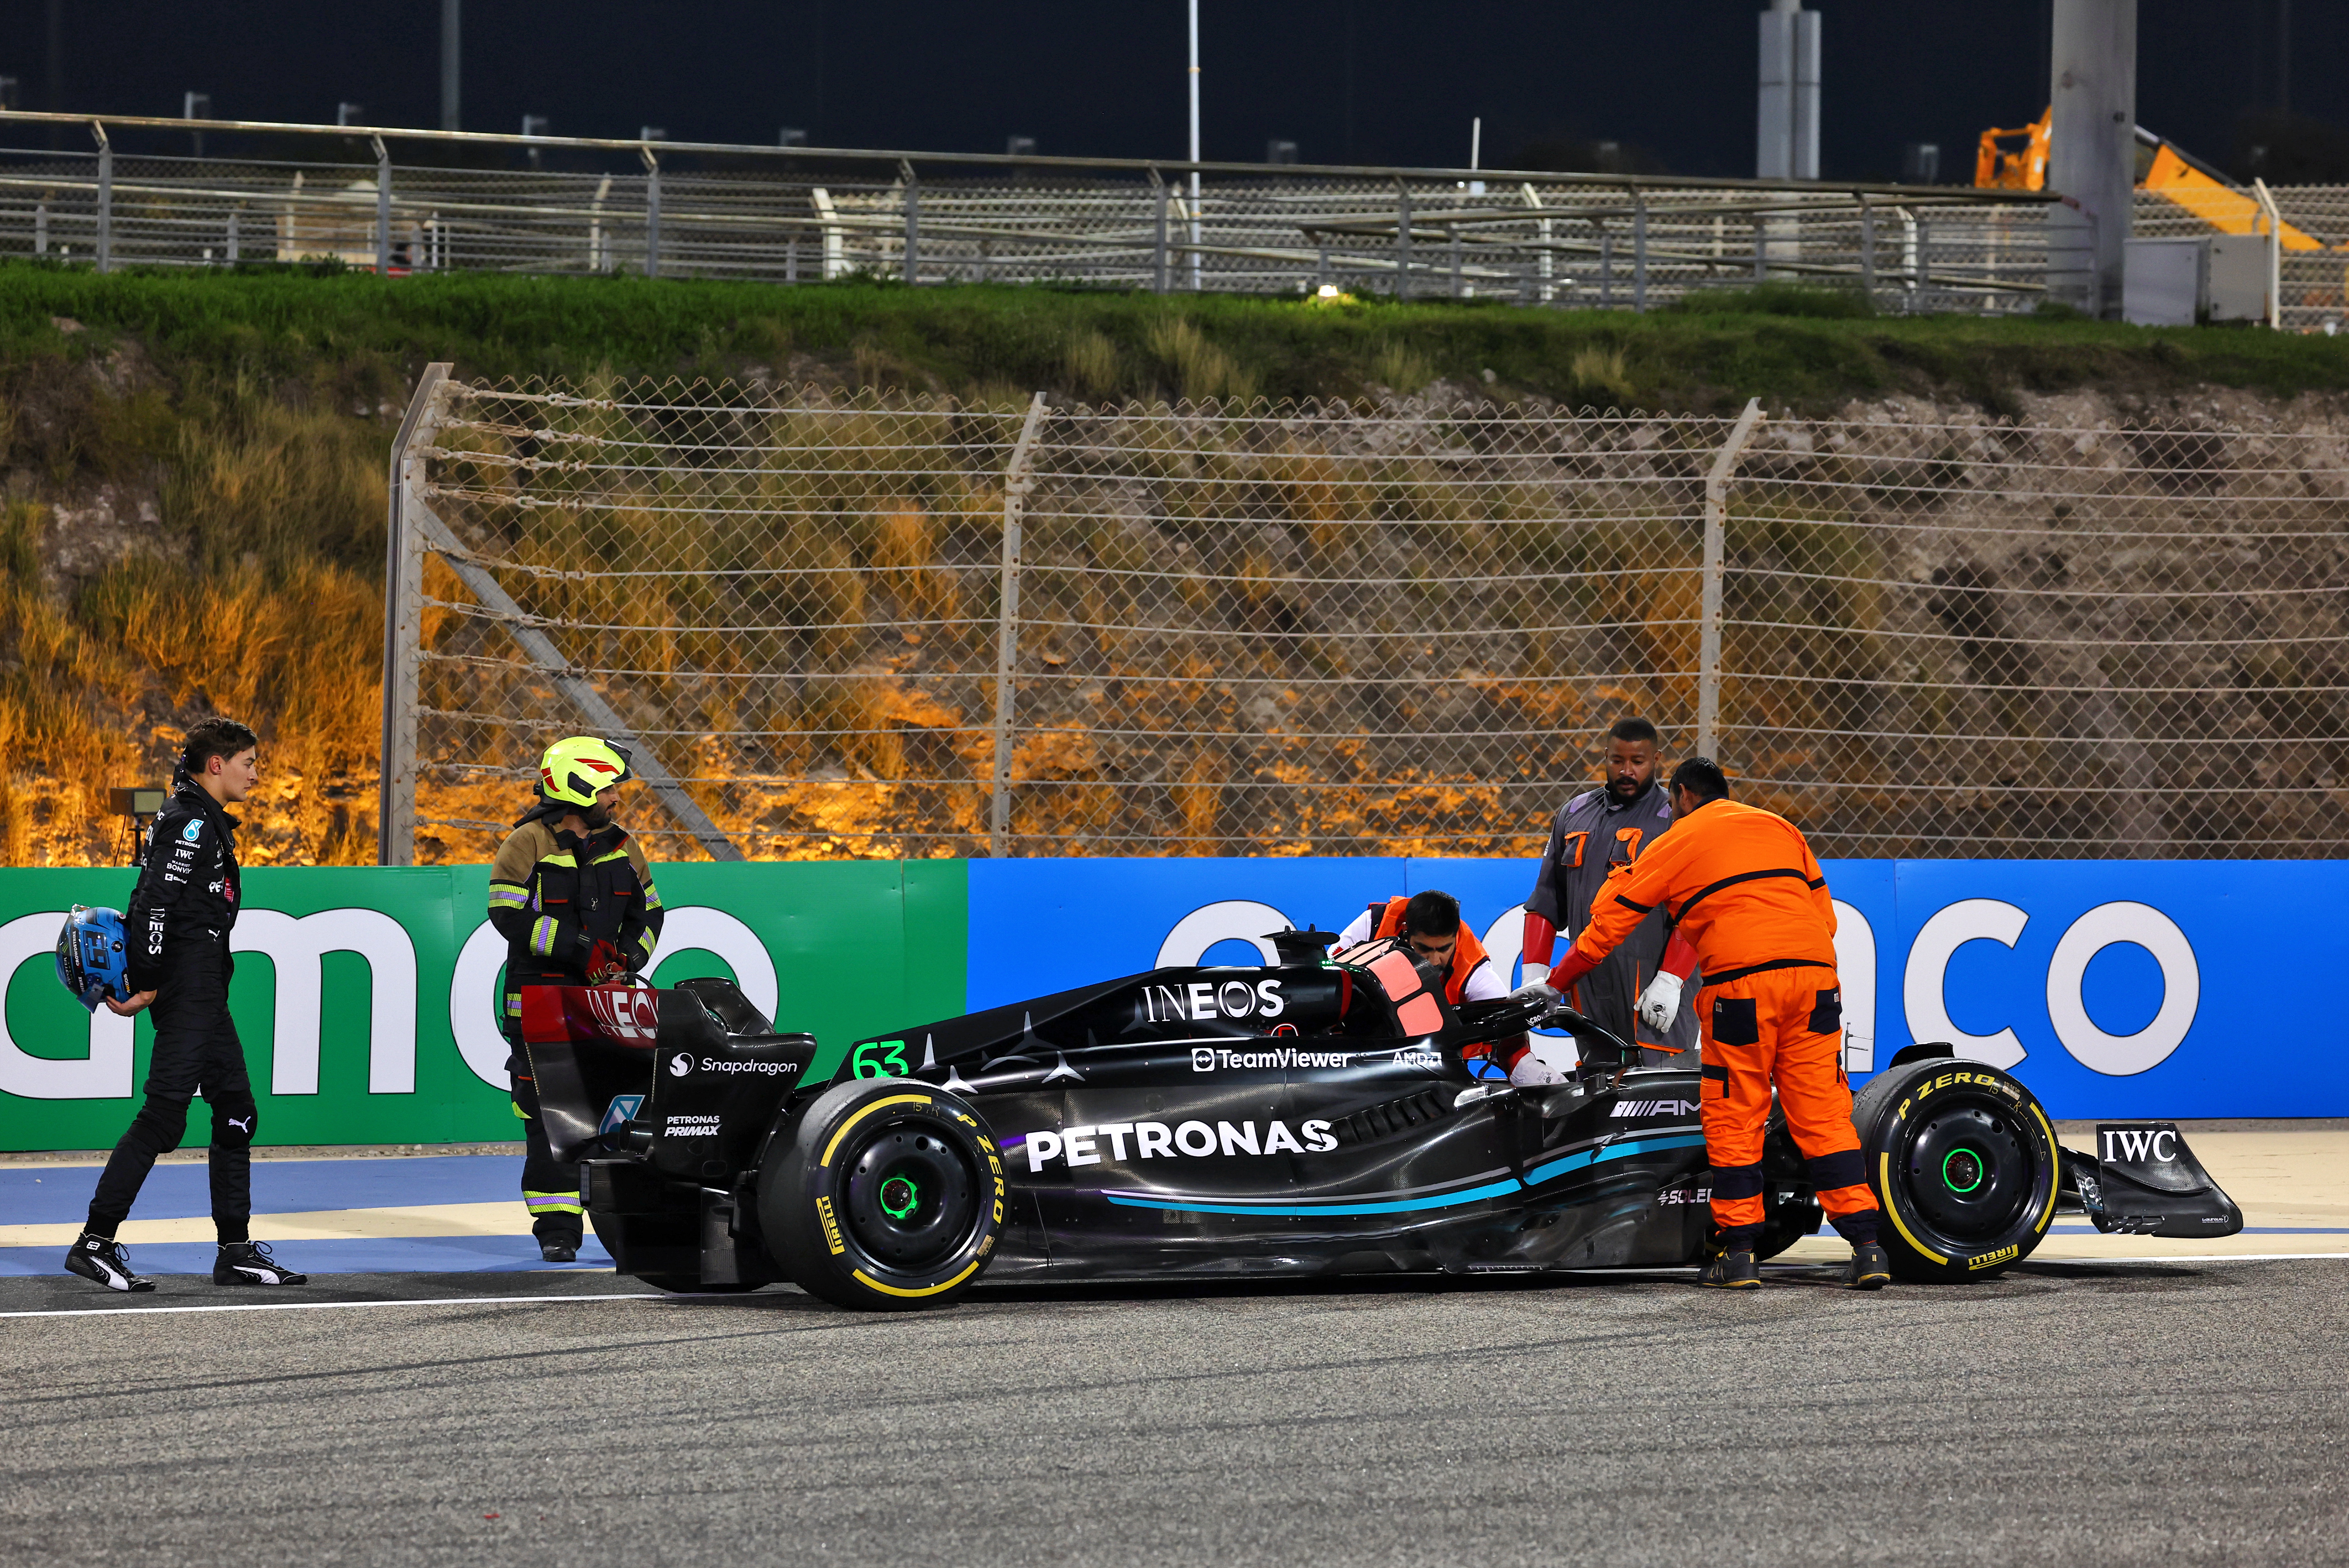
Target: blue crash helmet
{"points": [[93, 959]]}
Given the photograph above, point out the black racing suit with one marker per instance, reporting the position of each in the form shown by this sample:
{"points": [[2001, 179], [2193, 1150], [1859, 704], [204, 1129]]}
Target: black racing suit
{"points": [[178, 924], [559, 901]]}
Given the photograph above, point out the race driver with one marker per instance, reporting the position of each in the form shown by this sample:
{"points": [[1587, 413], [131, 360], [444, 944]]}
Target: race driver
{"points": [[1748, 902], [182, 912], [1431, 923], [1596, 832], [571, 894]]}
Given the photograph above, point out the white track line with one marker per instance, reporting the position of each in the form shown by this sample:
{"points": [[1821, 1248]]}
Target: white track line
{"points": [[324, 1306]]}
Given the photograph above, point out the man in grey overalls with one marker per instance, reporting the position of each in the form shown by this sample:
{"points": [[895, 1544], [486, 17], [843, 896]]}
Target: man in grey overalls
{"points": [[1597, 831]]}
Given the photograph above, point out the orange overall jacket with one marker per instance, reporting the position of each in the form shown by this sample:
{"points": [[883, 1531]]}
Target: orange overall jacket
{"points": [[1739, 884]]}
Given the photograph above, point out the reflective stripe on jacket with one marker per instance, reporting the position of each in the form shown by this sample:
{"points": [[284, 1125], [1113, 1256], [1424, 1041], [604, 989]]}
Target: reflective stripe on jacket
{"points": [[553, 896]]}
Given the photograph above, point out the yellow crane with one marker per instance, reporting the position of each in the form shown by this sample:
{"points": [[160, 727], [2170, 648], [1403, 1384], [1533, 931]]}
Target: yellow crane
{"points": [[2177, 175]]}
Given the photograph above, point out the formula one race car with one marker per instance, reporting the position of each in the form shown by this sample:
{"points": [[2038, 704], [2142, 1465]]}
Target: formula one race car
{"points": [[1317, 1116]]}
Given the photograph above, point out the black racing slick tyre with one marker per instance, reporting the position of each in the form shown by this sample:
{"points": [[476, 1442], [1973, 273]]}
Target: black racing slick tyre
{"points": [[1964, 1162], [888, 1195]]}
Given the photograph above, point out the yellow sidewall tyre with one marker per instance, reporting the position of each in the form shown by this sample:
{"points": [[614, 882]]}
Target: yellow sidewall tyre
{"points": [[888, 1196], [1964, 1162]]}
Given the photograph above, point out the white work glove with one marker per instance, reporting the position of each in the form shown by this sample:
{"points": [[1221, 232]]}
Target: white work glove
{"points": [[1535, 991], [1535, 974], [1532, 1073], [1661, 1003]]}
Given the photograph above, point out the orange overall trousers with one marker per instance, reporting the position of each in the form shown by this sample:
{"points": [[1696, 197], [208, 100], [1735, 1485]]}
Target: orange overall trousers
{"points": [[1783, 1026]]}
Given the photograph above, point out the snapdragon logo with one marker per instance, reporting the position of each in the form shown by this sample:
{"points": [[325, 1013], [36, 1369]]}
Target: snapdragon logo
{"points": [[679, 1065], [729, 1065], [1204, 1001], [1159, 1140]]}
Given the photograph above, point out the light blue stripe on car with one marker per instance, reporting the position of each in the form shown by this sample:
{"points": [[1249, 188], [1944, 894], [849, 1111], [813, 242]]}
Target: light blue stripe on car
{"points": [[1503, 1188], [1557, 1168], [1306, 1210]]}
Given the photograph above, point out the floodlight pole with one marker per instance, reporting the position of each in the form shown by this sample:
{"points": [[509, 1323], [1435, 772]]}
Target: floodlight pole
{"points": [[1194, 144]]}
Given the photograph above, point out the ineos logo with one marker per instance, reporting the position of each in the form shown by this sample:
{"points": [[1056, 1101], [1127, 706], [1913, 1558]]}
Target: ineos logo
{"points": [[679, 1065], [1205, 1000]]}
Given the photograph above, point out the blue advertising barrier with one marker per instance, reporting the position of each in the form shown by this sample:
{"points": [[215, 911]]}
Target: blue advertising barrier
{"points": [[2115, 989]]}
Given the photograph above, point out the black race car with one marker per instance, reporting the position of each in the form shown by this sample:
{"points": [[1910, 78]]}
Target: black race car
{"points": [[1312, 1117]]}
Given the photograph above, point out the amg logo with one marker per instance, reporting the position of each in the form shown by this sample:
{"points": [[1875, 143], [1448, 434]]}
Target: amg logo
{"points": [[1655, 1108], [2157, 1145]]}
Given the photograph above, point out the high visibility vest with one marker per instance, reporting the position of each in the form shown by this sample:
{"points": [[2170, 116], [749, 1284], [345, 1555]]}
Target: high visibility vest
{"points": [[1467, 952]]}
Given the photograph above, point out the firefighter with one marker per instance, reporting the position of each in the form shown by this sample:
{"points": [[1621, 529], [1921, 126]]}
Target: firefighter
{"points": [[1431, 923], [1748, 901], [1596, 832], [573, 897]]}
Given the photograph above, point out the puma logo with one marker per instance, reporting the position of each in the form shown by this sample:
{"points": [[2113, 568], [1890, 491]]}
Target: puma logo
{"points": [[241, 1124]]}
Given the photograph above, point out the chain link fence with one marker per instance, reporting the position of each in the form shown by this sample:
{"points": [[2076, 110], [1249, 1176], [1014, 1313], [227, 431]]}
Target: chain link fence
{"points": [[849, 627], [1563, 241]]}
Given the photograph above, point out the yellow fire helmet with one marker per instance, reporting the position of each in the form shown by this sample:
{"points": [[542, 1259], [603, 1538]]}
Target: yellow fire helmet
{"points": [[578, 768]]}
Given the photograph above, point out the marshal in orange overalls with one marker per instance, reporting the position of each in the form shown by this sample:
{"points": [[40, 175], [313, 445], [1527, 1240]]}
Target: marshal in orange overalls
{"points": [[1467, 952], [1741, 885]]}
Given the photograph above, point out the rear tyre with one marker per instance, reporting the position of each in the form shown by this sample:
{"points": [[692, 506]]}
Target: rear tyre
{"points": [[1964, 1162], [887, 1196]]}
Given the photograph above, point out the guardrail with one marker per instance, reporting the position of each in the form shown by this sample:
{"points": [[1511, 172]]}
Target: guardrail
{"points": [[793, 214]]}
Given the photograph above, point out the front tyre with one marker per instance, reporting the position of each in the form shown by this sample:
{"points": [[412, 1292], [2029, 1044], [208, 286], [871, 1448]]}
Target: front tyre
{"points": [[1964, 1162], [888, 1196]]}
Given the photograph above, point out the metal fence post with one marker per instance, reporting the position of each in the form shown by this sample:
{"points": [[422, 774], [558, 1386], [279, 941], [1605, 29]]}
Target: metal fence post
{"points": [[1866, 247], [105, 198], [1403, 240], [652, 211], [913, 223], [403, 630], [1639, 250], [382, 207], [1716, 555], [1158, 255], [1016, 486], [1605, 265]]}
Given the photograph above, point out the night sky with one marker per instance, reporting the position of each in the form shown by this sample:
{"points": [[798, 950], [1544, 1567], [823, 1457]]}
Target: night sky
{"points": [[1368, 80]]}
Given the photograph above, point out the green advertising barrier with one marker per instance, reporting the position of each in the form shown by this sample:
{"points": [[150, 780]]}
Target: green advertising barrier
{"points": [[365, 997]]}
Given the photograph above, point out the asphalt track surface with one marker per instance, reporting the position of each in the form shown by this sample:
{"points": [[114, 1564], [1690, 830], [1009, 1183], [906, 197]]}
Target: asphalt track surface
{"points": [[2069, 1413]]}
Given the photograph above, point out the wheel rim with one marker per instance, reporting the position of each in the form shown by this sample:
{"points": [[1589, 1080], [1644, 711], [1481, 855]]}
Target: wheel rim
{"points": [[1971, 1172], [912, 1198]]}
